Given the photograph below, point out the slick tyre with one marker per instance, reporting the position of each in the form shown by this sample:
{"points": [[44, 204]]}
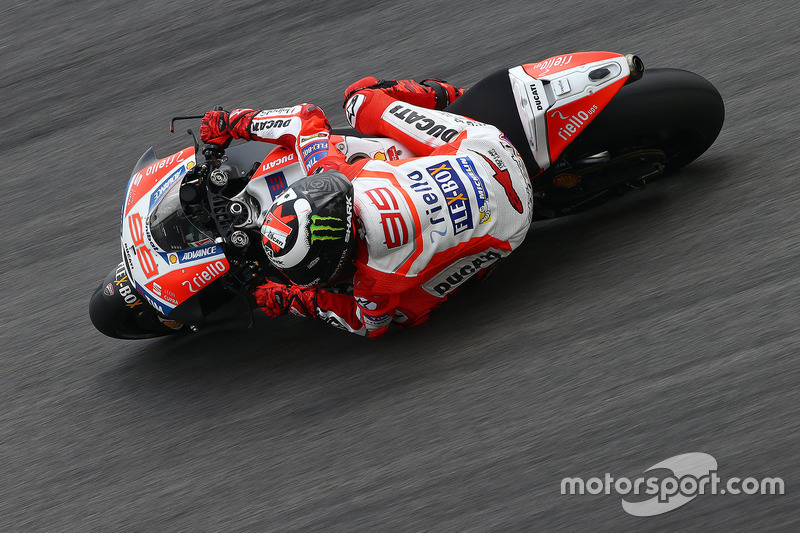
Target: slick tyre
{"points": [[675, 111], [118, 311]]}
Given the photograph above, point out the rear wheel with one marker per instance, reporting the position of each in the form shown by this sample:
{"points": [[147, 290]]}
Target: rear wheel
{"points": [[676, 111], [653, 126]]}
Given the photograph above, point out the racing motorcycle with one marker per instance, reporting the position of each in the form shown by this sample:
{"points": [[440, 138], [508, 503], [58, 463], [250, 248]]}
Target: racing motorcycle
{"points": [[190, 241]]}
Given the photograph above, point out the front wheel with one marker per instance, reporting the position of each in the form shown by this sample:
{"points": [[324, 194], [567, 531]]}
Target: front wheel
{"points": [[118, 311]]}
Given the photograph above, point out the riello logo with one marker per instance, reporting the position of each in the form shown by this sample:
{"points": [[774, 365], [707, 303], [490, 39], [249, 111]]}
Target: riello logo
{"points": [[202, 278], [557, 61], [574, 122]]}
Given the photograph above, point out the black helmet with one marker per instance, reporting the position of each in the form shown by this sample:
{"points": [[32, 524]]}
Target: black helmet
{"points": [[308, 233]]}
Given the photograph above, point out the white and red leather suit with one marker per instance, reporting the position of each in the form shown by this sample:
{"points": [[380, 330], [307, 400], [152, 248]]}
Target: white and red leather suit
{"points": [[425, 225]]}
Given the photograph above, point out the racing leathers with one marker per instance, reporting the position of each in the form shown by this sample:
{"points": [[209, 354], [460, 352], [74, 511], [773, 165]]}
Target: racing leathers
{"points": [[425, 225]]}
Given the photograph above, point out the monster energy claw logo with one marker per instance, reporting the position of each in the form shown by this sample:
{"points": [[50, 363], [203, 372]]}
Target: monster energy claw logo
{"points": [[322, 226]]}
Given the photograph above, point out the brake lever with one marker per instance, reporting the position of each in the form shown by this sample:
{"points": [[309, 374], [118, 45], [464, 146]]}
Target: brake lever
{"points": [[188, 117], [214, 152]]}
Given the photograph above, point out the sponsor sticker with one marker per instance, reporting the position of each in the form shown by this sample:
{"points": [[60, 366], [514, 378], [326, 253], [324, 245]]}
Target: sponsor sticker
{"points": [[264, 124], [193, 254], [205, 276], [366, 303], [124, 288], [376, 322], [277, 162], [459, 272], [571, 125], [279, 111], [326, 229], [455, 194], [503, 177], [199, 253], [308, 138], [551, 63], [480, 189], [436, 222], [429, 125], [166, 185], [561, 86], [314, 152]]}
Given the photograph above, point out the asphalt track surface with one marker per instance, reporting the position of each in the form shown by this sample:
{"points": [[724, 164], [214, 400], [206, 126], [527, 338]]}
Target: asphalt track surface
{"points": [[663, 324]]}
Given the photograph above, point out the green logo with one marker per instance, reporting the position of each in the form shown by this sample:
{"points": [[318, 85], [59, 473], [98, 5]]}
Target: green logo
{"points": [[320, 226]]}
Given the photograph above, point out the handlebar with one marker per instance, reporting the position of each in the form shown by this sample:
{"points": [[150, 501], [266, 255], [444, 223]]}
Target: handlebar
{"points": [[205, 189], [212, 152]]}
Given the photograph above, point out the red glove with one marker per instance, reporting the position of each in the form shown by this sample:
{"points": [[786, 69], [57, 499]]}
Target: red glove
{"points": [[430, 93], [276, 299], [219, 127]]}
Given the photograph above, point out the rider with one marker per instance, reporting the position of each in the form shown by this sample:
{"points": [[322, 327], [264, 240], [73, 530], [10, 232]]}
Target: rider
{"points": [[409, 231]]}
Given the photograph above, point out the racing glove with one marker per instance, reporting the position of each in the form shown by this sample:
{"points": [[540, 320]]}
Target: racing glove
{"points": [[276, 299], [430, 93], [219, 127]]}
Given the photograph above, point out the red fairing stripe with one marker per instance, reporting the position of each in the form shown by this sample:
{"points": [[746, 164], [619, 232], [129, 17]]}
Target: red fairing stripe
{"points": [[567, 121]]}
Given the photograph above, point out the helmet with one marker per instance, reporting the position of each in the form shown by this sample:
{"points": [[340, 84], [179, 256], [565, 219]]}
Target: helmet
{"points": [[308, 232]]}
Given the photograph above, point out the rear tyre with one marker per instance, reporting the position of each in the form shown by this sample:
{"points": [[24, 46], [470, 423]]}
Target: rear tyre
{"points": [[653, 126], [675, 111]]}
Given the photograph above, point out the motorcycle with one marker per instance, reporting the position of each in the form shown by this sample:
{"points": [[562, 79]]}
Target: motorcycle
{"points": [[600, 126]]}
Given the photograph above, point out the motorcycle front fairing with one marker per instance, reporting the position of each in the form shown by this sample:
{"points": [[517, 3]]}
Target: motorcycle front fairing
{"points": [[167, 257]]}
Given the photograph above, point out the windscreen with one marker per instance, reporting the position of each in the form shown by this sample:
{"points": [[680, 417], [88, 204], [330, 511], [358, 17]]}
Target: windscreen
{"points": [[172, 229]]}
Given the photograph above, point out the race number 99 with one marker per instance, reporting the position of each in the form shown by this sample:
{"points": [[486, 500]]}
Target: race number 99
{"points": [[146, 260]]}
